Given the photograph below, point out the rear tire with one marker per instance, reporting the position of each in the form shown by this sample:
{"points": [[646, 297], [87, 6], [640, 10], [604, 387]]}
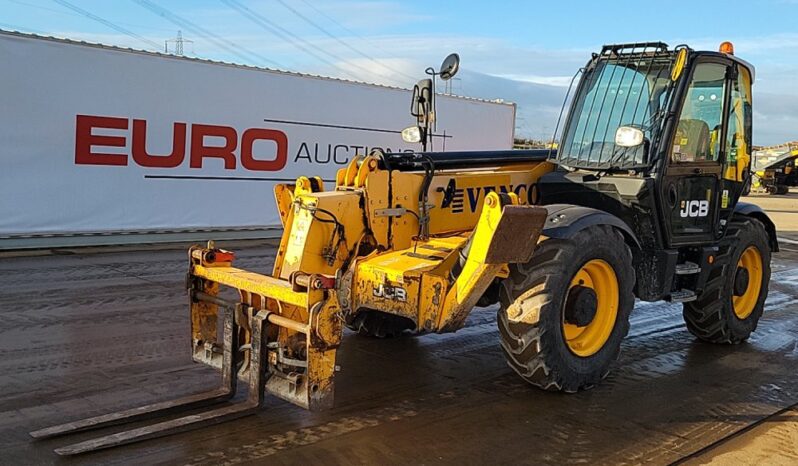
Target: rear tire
{"points": [[532, 318], [720, 315]]}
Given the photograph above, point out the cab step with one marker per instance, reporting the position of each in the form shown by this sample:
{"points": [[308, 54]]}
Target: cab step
{"points": [[687, 268], [683, 296]]}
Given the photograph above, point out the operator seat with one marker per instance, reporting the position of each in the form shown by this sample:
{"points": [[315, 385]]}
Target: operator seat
{"points": [[692, 141]]}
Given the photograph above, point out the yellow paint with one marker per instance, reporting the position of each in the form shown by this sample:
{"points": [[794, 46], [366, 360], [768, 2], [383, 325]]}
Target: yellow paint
{"points": [[376, 194], [471, 185], [284, 198], [488, 247], [263, 285], [678, 65], [477, 273], [737, 142], [600, 277], [313, 237], [750, 260], [368, 165], [421, 271], [351, 170]]}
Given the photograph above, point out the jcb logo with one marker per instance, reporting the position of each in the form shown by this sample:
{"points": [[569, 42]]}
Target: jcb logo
{"points": [[395, 293], [694, 209]]}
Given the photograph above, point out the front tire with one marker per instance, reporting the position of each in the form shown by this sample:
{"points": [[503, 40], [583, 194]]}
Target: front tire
{"points": [[733, 300], [564, 314]]}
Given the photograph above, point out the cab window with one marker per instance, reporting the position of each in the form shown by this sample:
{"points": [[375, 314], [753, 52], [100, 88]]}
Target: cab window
{"points": [[698, 133], [738, 138]]}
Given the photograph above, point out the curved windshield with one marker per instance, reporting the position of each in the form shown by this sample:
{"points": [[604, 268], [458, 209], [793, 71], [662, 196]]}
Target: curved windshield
{"points": [[622, 90]]}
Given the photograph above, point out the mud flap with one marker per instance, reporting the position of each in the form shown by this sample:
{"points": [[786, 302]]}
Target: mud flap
{"points": [[516, 235]]}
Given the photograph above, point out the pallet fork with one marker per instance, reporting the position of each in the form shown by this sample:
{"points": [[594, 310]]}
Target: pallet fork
{"points": [[225, 392]]}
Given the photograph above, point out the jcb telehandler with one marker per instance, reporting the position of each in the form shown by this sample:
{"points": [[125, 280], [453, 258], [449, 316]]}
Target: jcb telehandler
{"points": [[641, 200]]}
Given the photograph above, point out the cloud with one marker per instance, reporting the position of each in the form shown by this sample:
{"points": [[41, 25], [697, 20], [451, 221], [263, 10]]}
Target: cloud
{"points": [[371, 16], [398, 72], [538, 105], [491, 67], [775, 118], [563, 81]]}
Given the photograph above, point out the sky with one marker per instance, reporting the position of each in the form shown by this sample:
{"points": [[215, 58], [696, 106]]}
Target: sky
{"points": [[521, 51]]}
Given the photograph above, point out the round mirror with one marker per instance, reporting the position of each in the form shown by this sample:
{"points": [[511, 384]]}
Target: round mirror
{"points": [[449, 66]]}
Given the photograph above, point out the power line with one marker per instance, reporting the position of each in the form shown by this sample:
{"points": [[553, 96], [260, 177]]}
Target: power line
{"points": [[292, 38], [52, 10], [220, 42], [337, 23], [283, 33], [353, 33], [110, 24], [338, 39], [76, 15]]}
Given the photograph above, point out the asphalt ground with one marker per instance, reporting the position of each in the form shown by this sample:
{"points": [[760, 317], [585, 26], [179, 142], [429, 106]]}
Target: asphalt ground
{"points": [[88, 331]]}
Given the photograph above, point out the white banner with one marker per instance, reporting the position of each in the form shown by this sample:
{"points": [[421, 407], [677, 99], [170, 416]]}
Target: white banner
{"points": [[98, 139]]}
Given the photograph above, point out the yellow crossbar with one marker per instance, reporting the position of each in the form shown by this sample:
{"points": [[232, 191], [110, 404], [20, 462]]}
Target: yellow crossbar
{"points": [[263, 285]]}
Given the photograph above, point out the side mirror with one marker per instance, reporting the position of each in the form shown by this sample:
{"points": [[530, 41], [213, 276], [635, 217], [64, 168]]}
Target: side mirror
{"points": [[411, 134], [450, 66], [627, 136], [422, 101]]}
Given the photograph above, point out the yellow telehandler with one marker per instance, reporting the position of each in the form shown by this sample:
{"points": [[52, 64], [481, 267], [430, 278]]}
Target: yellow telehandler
{"points": [[640, 200]]}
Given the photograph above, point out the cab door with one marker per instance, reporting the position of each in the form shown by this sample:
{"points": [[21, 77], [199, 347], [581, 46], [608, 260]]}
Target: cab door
{"points": [[691, 183], [736, 174]]}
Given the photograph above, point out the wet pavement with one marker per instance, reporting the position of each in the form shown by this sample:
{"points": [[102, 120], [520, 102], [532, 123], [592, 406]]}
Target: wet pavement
{"points": [[83, 334]]}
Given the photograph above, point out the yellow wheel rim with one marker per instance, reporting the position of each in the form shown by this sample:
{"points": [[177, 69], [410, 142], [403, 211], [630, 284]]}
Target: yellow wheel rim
{"points": [[588, 340], [751, 261]]}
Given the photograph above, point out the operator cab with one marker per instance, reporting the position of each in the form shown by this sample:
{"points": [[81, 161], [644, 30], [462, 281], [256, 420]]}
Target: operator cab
{"points": [[652, 129], [660, 139]]}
